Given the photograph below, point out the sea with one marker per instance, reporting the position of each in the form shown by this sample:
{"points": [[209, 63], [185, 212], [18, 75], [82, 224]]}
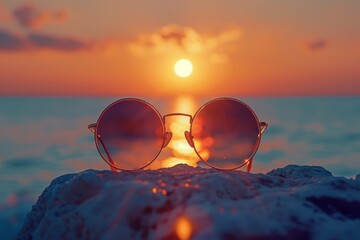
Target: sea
{"points": [[43, 138]]}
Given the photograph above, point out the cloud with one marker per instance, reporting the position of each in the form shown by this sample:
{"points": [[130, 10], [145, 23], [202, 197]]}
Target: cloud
{"points": [[12, 42], [58, 43], [316, 45], [184, 38], [36, 41], [23, 162], [29, 16]]}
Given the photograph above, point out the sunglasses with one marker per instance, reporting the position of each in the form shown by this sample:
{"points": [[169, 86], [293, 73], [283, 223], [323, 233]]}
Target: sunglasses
{"points": [[225, 134]]}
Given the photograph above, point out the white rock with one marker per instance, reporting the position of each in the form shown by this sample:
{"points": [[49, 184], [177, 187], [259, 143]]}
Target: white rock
{"points": [[289, 203]]}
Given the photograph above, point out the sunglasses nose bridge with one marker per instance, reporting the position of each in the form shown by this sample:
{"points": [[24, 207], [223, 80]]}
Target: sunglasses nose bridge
{"points": [[168, 135], [177, 114]]}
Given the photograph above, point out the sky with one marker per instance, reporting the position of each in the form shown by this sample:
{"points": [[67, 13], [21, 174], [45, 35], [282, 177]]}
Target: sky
{"points": [[123, 48]]}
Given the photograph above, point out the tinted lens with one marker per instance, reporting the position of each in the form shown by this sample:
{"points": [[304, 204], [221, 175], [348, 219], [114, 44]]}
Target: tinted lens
{"points": [[130, 134], [226, 133]]}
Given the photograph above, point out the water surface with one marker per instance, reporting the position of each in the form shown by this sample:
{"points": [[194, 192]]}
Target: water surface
{"points": [[42, 138]]}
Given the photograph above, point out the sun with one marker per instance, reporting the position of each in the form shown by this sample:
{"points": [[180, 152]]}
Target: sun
{"points": [[183, 68]]}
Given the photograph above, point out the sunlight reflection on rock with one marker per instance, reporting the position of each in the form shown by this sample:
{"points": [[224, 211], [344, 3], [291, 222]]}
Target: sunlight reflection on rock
{"points": [[183, 228]]}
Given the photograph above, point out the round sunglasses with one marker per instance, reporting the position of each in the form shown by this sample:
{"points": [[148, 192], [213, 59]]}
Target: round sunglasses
{"points": [[225, 134]]}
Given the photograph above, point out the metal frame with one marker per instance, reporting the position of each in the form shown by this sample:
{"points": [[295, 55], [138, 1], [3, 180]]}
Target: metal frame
{"points": [[93, 127], [98, 137], [260, 131]]}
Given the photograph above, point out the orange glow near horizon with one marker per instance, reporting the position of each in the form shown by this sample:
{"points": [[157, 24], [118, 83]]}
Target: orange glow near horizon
{"points": [[234, 52]]}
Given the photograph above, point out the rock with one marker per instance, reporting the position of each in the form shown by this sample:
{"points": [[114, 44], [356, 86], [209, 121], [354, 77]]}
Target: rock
{"points": [[184, 202], [294, 171]]}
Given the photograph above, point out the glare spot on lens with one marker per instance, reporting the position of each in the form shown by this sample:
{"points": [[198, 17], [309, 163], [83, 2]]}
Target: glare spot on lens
{"points": [[208, 141], [205, 154]]}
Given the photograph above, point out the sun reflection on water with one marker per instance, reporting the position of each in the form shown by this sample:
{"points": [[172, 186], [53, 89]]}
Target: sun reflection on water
{"points": [[178, 150], [182, 152]]}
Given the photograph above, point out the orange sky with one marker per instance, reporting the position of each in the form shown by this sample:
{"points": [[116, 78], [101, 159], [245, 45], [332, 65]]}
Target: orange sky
{"points": [[122, 48]]}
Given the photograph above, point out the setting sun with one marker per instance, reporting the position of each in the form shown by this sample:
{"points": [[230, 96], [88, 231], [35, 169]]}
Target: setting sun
{"points": [[183, 68]]}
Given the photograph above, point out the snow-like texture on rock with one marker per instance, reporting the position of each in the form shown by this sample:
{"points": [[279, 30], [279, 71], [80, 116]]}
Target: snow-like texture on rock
{"points": [[294, 171], [295, 202]]}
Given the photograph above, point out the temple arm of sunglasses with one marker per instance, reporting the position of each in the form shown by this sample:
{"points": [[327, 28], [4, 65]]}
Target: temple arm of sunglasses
{"points": [[248, 165], [263, 126], [92, 127]]}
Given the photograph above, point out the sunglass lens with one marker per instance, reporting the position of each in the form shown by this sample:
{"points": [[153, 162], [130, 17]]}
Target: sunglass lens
{"points": [[225, 133], [129, 134]]}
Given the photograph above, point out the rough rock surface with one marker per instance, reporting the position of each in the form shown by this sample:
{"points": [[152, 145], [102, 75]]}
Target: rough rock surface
{"points": [[295, 202]]}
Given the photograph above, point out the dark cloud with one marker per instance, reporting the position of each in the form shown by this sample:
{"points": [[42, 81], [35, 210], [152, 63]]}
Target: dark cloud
{"points": [[58, 43], [35, 41], [23, 162], [316, 45], [12, 42], [178, 35], [29, 16]]}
